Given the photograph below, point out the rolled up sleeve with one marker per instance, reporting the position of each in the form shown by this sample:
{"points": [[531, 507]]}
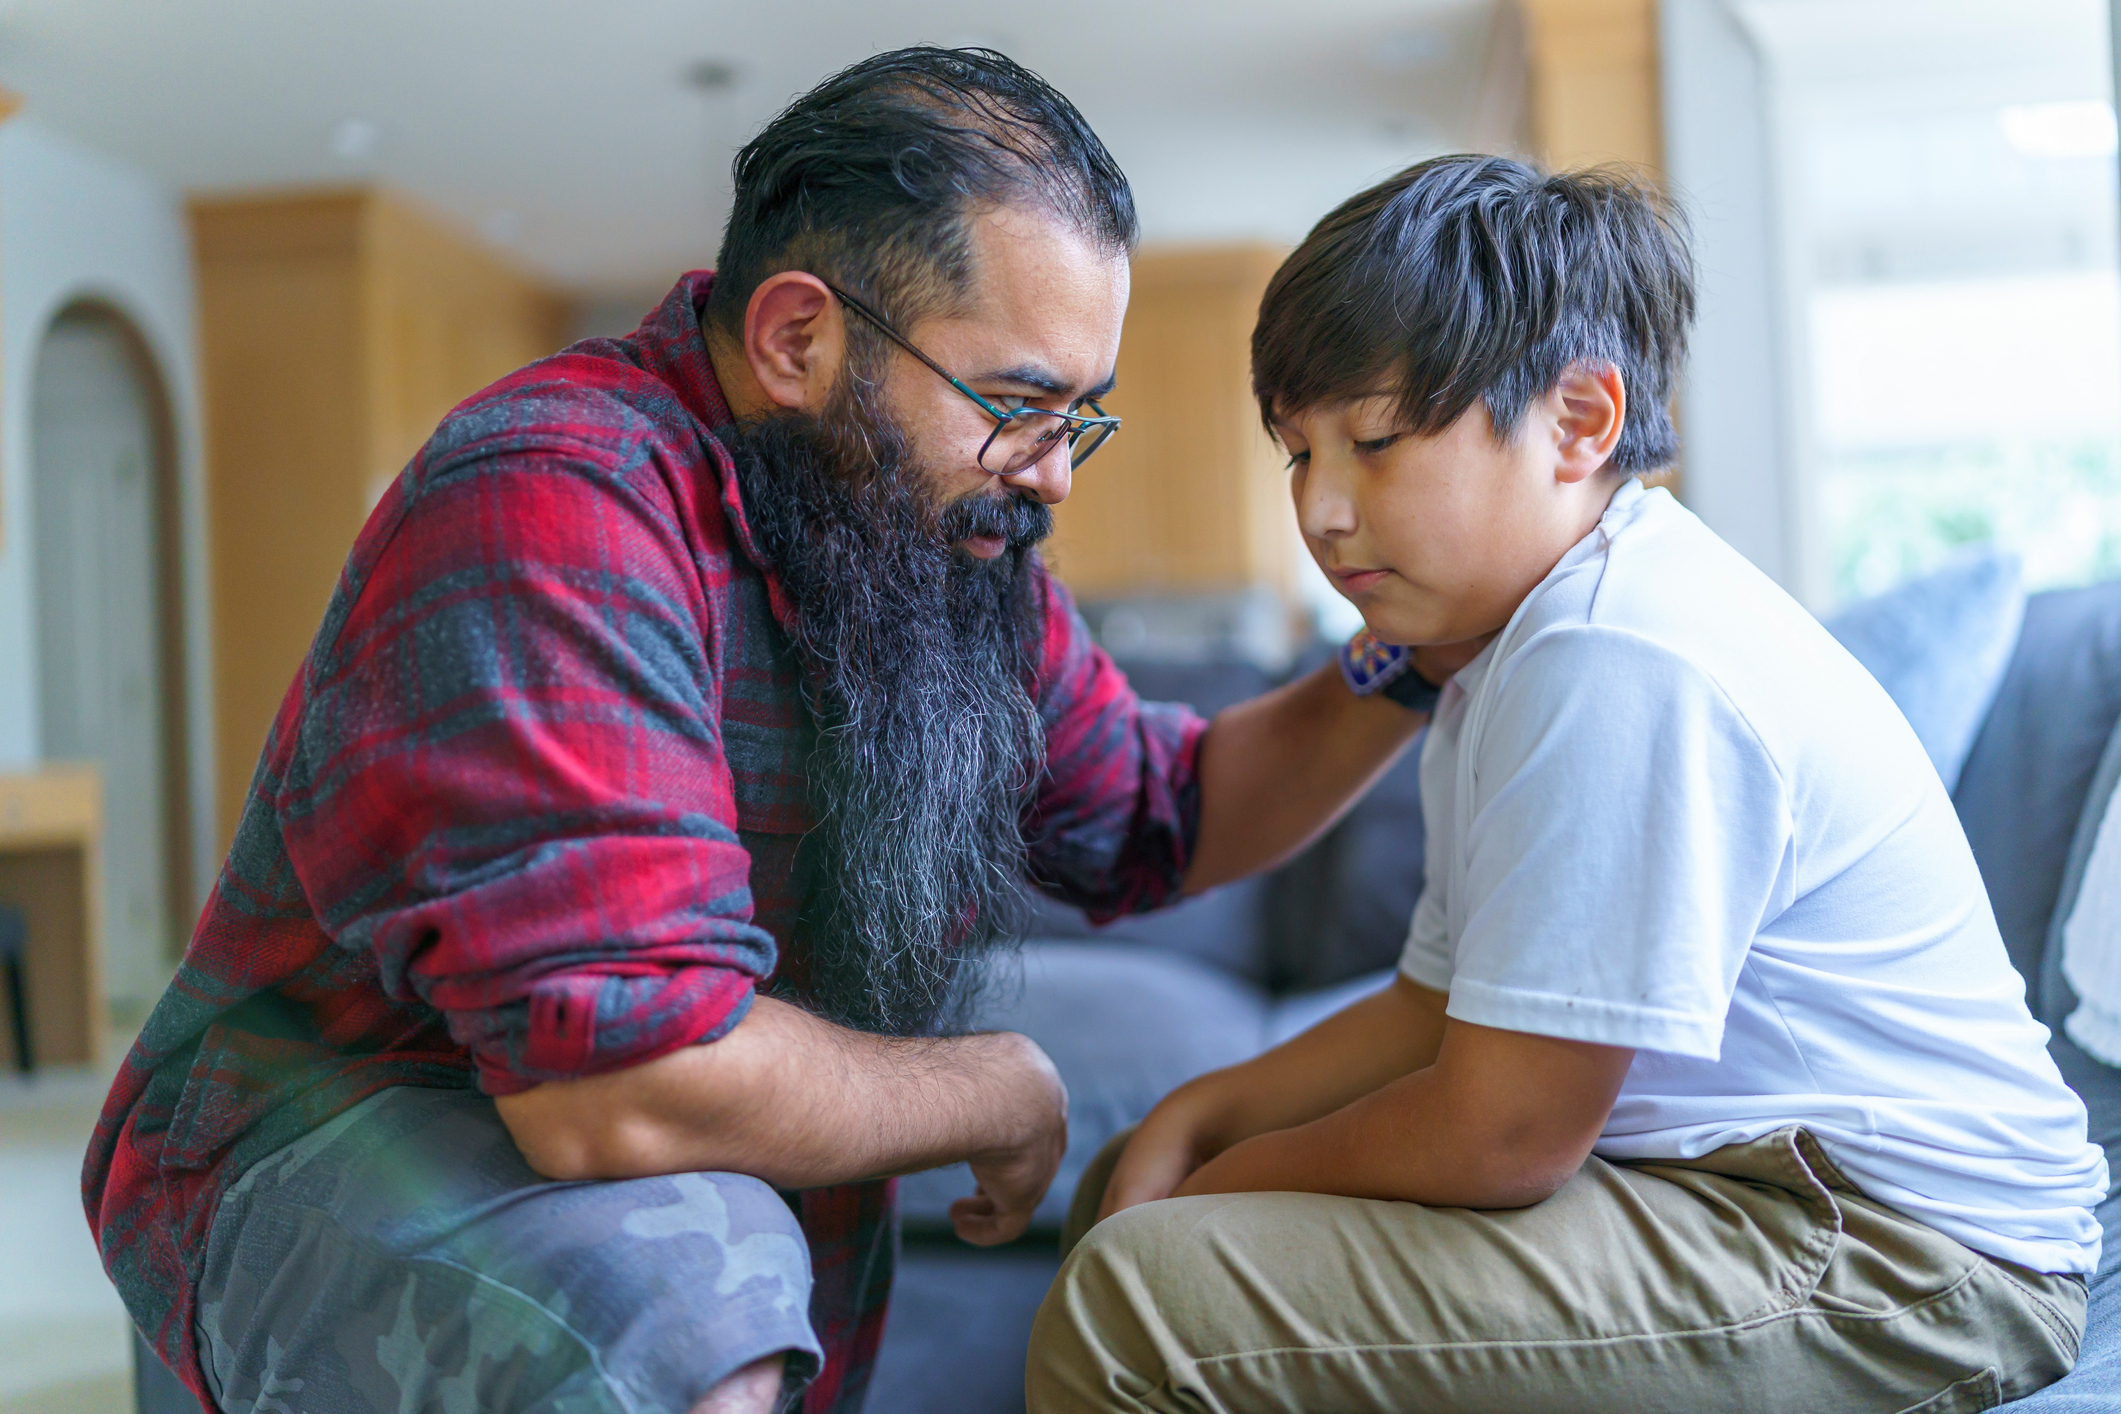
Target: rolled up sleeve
{"points": [[510, 789]]}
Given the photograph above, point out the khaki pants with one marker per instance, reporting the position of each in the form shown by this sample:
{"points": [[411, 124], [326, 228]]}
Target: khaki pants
{"points": [[1756, 1278]]}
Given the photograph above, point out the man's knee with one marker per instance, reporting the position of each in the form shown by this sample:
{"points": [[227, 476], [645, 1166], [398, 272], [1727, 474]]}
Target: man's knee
{"points": [[755, 1389]]}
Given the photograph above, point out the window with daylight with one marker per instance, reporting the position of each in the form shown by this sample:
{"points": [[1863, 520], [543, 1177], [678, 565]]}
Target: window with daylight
{"points": [[1951, 238]]}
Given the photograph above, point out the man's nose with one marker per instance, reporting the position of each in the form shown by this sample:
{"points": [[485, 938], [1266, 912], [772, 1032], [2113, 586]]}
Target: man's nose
{"points": [[1046, 479]]}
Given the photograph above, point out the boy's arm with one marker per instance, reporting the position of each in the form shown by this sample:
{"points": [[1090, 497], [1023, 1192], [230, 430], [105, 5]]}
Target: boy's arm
{"points": [[1388, 1099]]}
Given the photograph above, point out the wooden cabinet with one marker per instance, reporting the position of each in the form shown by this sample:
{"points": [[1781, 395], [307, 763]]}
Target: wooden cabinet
{"points": [[1191, 496], [51, 831], [337, 328], [1593, 89]]}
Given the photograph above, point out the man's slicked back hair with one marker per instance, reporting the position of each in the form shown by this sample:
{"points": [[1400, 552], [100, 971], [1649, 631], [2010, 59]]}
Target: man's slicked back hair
{"points": [[1481, 277], [869, 181]]}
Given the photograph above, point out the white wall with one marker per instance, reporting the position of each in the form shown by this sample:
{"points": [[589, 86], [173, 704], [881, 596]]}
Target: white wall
{"points": [[1736, 403], [74, 225]]}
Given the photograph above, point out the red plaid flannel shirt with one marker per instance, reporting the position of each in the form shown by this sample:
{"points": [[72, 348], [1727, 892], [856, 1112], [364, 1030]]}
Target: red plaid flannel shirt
{"points": [[530, 809]]}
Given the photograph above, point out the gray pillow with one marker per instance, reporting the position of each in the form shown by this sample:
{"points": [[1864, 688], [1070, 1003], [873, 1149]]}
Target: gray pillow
{"points": [[1225, 926], [2056, 999], [2025, 782], [1939, 645]]}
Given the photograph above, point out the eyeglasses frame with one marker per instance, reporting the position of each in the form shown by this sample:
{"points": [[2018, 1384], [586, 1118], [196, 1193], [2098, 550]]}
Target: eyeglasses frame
{"points": [[1076, 424]]}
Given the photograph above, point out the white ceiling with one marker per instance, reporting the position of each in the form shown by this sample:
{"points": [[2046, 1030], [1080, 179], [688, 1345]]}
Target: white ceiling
{"points": [[1894, 146], [567, 131]]}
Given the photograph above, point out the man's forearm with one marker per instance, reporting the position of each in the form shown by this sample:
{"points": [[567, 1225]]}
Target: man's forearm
{"points": [[793, 1100], [1276, 771]]}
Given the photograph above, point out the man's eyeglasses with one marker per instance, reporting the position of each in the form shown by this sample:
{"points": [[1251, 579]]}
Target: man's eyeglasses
{"points": [[1022, 435]]}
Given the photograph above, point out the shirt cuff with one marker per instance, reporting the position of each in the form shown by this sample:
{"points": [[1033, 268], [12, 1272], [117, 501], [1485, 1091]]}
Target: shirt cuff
{"points": [[569, 1036], [1590, 1019], [1425, 968]]}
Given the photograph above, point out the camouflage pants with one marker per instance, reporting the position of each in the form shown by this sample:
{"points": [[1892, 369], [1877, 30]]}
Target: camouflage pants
{"points": [[404, 1257]]}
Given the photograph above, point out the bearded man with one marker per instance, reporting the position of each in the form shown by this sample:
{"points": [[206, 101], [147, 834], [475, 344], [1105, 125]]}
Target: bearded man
{"points": [[596, 940]]}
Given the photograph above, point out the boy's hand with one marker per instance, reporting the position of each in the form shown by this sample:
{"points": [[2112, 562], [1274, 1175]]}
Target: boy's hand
{"points": [[1176, 1138], [1518, 1112], [1350, 1054]]}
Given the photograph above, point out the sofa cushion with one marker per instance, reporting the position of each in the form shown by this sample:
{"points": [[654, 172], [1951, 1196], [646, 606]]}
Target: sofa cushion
{"points": [[2053, 994], [2094, 1387], [2025, 780], [1124, 1026], [1939, 645], [1225, 926], [1300, 1011]]}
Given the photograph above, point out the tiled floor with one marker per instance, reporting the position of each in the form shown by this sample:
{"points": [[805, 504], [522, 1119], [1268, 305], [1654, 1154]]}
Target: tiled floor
{"points": [[64, 1338]]}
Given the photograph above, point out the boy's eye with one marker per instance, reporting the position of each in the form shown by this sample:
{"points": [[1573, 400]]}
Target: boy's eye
{"points": [[1297, 459], [1377, 444]]}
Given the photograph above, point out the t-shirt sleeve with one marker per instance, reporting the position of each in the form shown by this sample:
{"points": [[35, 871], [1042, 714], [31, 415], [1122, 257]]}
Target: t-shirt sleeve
{"points": [[1427, 956], [510, 786], [1629, 836], [1118, 808]]}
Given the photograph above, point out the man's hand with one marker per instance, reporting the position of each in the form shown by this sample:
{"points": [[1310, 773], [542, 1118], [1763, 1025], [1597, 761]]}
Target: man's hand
{"points": [[801, 1103], [1012, 1180]]}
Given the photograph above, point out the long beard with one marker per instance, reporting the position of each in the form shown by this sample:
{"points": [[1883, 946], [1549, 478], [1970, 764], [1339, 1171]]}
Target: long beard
{"points": [[918, 668]]}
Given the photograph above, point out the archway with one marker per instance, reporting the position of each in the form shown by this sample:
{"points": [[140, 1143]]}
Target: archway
{"points": [[109, 622]]}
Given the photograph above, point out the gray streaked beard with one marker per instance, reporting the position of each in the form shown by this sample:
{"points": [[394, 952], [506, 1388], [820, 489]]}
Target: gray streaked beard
{"points": [[919, 664]]}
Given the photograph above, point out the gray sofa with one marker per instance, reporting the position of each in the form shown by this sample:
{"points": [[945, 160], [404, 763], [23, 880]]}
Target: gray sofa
{"points": [[1132, 1012]]}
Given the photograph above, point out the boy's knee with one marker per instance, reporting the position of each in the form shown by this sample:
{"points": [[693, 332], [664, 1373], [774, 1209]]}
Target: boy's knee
{"points": [[1098, 1342], [1090, 1189]]}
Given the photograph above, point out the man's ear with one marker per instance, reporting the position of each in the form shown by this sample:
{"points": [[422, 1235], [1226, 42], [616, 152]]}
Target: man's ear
{"points": [[1593, 411], [795, 337]]}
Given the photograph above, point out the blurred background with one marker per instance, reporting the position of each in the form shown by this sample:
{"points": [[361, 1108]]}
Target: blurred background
{"points": [[252, 250]]}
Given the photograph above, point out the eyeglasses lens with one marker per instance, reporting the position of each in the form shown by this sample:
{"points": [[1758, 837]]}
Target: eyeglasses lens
{"points": [[1022, 440]]}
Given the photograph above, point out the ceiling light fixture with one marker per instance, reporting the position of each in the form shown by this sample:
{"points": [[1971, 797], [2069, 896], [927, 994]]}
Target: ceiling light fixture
{"points": [[712, 75]]}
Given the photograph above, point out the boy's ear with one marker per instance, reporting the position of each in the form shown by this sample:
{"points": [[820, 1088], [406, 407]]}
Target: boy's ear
{"points": [[1593, 410]]}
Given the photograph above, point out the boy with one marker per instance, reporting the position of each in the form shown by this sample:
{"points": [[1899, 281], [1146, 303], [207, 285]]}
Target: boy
{"points": [[1705, 1076]]}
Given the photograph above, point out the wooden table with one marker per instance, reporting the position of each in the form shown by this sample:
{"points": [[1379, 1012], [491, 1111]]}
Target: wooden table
{"points": [[51, 868]]}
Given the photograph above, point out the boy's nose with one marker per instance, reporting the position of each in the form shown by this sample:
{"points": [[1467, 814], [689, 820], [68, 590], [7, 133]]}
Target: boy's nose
{"points": [[1324, 510]]}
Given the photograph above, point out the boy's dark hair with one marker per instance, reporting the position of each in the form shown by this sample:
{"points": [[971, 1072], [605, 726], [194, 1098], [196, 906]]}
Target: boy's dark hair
{"points": [[1482, 277], [868, 180]]}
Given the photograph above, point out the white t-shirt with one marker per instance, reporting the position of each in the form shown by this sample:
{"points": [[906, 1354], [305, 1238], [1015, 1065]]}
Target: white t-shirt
{"points": [[1666, 810]]}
